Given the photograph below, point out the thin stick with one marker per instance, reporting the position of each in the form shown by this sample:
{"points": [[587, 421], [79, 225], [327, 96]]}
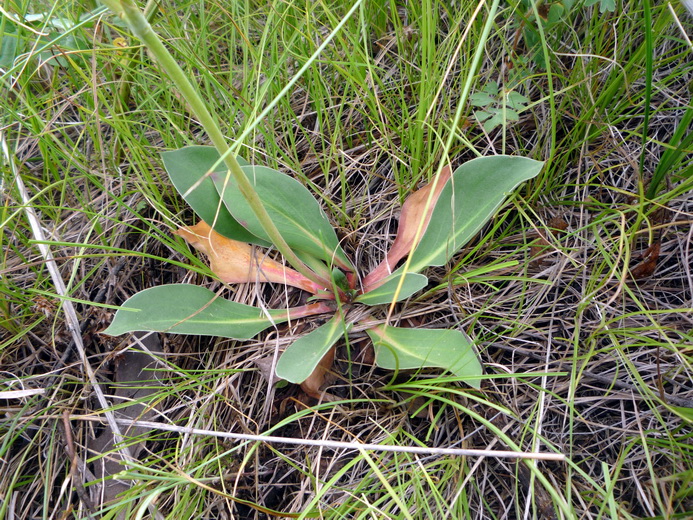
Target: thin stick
{"points": [[423, 450], [70, 314]]}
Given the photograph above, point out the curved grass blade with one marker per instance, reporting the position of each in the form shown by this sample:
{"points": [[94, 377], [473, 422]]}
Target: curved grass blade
{"points": [[385, 293], [477, 190], [186, 166], [299, 360], [293, 209], [402, 348], [191, 309]]}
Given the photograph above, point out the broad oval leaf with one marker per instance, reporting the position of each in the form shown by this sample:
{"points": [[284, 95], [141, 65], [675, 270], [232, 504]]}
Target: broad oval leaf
{"points": [[299, 360], [292, 208], [385, 293], [191, 309], [468, 201], [402, 349], [186, 166]]}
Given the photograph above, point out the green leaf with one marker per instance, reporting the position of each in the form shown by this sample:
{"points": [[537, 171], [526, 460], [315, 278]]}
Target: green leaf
{"points": [[494, 112], [556, 12], [608, 5], [510, 115], [483, 115], [604, 5], [385, 293], [292, 208], [299, 360], [481, 99], [469, 200], [191, 309], [340, 279], [494, 121], [186, 166], [516, 100], [8, 45], [685, 413], [403, 349]]}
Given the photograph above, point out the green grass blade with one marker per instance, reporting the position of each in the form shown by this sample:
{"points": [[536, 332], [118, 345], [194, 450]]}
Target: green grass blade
{"points": [[680, 147], [647, 14]]}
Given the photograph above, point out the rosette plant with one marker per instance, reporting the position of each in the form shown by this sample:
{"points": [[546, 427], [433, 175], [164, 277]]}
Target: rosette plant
{"points": [[243, 208]]}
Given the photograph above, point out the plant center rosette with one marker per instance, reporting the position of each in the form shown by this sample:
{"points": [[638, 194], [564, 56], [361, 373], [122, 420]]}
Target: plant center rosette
{"points": [[435, 223]]}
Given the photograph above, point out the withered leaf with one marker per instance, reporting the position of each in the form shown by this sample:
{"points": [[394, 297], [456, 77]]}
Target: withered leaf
{"points": [[315, 381], [136, 379], [648, 262], [238, 262], [414, 210]]}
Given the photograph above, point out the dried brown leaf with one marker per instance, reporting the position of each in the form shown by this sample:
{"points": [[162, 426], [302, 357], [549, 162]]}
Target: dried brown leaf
{"points": [[312, 385], [648, 262], [414, 210], [134, 375], [237, 262]]}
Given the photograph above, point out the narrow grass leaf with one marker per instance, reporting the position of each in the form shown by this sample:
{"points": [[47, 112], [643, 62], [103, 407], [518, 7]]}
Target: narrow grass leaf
{"points": [[403, 348], [684, 413], [679, 146], [187, 168], [191, 309], [293, 209], [299, 360], [477, 190], [385, 293]]}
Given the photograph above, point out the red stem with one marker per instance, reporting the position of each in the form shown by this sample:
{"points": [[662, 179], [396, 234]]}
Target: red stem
{"points": [[311, 309]]}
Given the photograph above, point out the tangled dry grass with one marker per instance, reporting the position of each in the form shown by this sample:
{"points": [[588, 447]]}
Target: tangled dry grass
{"points": [[579, 294]]}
